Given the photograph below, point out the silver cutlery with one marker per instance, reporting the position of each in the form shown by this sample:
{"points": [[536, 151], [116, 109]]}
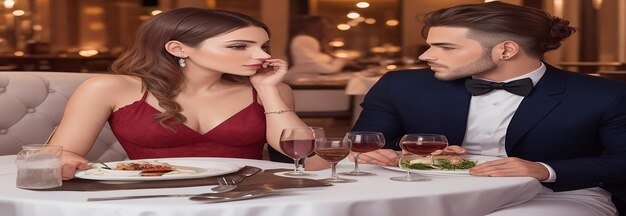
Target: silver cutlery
{"points": [[229, 185], [206, 197], [225, 184], [234, 195]]}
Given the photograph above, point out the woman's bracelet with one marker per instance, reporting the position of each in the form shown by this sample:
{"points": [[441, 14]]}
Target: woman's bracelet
{"points": [[279, 111]]}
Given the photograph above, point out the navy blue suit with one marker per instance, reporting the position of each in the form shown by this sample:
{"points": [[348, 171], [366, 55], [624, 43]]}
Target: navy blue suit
{"points": [[573, 122]]}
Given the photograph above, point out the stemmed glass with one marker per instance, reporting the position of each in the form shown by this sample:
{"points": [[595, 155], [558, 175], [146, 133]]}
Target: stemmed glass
{"points": [[362, 142], [422, 145], [298, 143], [333, 150]]}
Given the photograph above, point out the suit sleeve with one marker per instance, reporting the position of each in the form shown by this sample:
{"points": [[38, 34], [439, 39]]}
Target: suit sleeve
{"points": [[379, 113], [608, 170]]}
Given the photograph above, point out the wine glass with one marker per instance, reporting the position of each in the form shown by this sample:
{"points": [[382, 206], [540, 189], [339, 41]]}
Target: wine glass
{"points": [[362, 142], [422, 145], [298, 143], [318, 133], [333, 150]]}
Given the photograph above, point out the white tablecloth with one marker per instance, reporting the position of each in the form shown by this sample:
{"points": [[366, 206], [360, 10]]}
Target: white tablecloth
{"points": [[371, 195]]}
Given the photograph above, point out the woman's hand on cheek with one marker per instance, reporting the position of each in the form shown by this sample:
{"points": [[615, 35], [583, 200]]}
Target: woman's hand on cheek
{"points": [[271, 73]]}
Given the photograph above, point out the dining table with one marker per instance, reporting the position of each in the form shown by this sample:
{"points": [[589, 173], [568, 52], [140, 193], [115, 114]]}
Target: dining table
{"points": [[369, 195]]}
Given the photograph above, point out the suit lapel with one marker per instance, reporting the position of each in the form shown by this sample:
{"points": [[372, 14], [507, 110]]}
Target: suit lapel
{"points": [[453, 103], [536, 106]]}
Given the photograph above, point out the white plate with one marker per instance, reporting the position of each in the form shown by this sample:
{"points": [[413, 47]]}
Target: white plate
{"points": [[199, 168], [479, 158]]}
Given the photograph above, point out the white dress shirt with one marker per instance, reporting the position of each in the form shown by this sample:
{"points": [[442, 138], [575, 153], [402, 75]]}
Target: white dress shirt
{"points": [[489, 117], [307, 58]]}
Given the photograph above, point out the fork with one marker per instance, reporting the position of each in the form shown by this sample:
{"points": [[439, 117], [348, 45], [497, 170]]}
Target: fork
{"points": [[226, 183]]}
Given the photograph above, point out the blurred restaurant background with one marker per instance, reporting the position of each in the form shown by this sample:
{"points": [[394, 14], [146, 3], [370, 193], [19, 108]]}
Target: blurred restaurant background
{"points": [[379, 35]]}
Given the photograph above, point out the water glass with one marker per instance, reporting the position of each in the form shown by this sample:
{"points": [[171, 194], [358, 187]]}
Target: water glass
{"points": [[39, 166]]}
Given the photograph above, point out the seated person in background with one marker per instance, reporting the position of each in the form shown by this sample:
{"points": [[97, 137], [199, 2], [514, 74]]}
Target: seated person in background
{"points": [[305, 50], [566, 129], [195, 83]]}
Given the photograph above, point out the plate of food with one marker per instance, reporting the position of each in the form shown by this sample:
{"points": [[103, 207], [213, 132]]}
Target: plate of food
{"points": [[157, 169], [444, 165]]}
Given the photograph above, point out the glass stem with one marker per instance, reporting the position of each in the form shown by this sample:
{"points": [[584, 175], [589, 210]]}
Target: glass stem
{"points": [[408, 174], [356, 162], [432, 160], [333, 166], [296, 169]]}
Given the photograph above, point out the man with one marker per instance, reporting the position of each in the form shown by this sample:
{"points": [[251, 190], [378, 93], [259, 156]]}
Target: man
{"points": [[565, 129]]}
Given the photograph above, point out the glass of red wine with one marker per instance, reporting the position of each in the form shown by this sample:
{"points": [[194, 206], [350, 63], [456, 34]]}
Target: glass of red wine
{"points": [[298, 143], [362, 142], [422, 145], [333, 150]]}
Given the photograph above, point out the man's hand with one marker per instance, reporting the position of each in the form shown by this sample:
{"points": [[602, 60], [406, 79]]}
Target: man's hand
{"points": [[511, 167], [384, 157], [450, 150]]}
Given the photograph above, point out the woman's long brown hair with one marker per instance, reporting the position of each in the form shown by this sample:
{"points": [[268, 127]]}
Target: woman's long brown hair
{"points": [[158, 69]]}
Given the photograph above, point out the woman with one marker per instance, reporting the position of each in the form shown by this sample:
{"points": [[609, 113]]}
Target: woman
{"points": [[305, 52], [195, 82]]}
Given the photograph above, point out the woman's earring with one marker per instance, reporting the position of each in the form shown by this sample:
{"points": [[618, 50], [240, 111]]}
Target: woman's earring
{"points": [[181, 61], [505, 57]]}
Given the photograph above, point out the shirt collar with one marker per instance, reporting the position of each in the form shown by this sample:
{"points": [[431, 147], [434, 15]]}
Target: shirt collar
{"points": [[534, 75]]}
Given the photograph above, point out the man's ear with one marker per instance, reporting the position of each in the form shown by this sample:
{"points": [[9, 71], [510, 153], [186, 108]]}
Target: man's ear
{"points": [[508, 49], [176, 48]]}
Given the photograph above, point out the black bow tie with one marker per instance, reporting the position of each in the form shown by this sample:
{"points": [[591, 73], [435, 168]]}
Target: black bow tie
{"points": [[521, 87]]}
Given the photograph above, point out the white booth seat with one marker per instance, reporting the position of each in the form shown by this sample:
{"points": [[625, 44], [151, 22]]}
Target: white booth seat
{"points": [[32, 104]]}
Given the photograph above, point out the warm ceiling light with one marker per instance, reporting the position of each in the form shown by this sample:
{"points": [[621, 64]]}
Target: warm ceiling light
{"points": [[353, 23], [370, 20], [8, 4], [37, 27], [597, 4], [96, 26], [362, 5], [18, 53], [343, 27], [353, 15], [392, 22], [88, 53], [18, 13], [378, 49], [336, 43], [155, 12], [93, 10]]}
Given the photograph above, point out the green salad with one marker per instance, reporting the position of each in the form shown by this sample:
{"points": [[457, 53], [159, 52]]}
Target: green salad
{"points": [[442, 164]]}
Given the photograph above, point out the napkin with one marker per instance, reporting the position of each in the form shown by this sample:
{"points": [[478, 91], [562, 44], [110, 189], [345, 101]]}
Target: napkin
{"points": [[261, 180]]}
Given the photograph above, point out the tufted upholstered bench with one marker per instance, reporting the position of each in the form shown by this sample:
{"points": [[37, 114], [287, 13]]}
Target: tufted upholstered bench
{"points": [[32, 104]]}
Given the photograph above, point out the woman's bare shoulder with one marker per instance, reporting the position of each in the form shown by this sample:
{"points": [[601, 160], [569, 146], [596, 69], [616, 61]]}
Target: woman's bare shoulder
{"points": [[111, 83]]}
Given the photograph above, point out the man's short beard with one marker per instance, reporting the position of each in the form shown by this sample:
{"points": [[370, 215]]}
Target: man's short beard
{"points": [[483, 64]]}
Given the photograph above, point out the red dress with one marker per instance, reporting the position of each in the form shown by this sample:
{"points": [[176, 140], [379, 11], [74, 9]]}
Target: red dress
{"points": [[240, 136]]}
